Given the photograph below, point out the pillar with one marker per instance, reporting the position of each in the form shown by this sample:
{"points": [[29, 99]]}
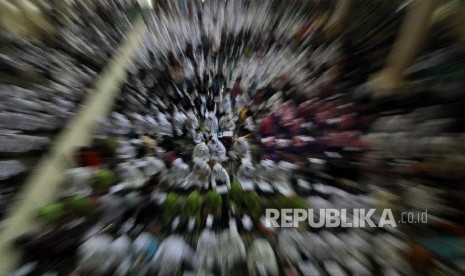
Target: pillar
{"points": [[43, 184], [408, 44]]}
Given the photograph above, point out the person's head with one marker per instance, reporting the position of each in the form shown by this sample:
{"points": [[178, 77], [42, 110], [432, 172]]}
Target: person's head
{"points": [[217, 168]]}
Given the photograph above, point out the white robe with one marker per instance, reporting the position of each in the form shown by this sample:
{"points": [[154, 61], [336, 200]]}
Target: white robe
{"points": [[220, 175], [201, 174], [241, 148], [201, 152], [245, 175], [217, 150], [227, 123], [179, 120], [211, 123], [261, 254], [178, 173], [165, 126]]}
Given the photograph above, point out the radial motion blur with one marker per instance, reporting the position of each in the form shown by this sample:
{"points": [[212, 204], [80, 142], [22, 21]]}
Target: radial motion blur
{"points": [[232, 137]]}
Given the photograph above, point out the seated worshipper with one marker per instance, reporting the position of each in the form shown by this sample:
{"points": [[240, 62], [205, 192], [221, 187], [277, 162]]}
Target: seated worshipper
{"points": [[166, 129], [179, 119], [227, 122], [211, 122], [233, 251], [171, 254], [261, 259], [220, 179], [208, 251], [225, 104], [282, 178], [249, 124], [152, 166], [151, 125], [201, 152], [245, 175], [178, 174], [121, 124], [139, 123], [217, 150], [265, 175], [237, 90], [192, 123], [126, 150], [92, 253], [242, 104], [200, 175], [240, 149], [130, 174]]}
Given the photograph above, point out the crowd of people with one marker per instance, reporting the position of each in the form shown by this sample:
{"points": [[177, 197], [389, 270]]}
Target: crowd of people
{"points": [[235, 107], [43, 83], [204, 136]]}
